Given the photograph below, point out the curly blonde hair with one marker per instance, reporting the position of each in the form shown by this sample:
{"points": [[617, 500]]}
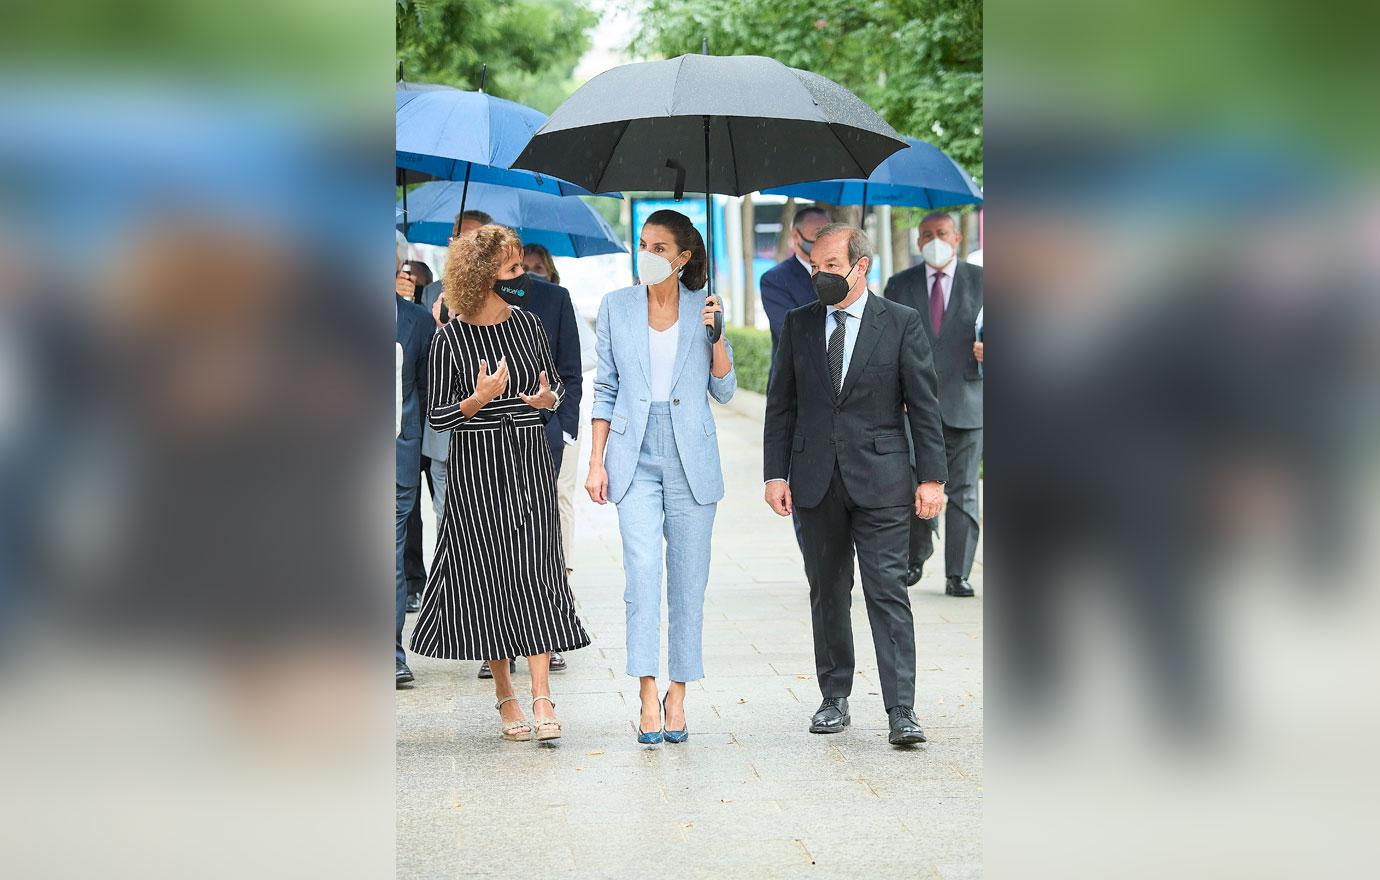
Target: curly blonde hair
{"points": [[472, 264]]}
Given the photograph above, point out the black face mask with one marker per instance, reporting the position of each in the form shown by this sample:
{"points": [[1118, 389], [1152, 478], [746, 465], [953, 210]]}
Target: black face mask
{"points": [[830, 288], [513, 290]]}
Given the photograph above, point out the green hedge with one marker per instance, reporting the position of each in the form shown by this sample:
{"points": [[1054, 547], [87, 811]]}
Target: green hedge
{"points": [[751, 356]]}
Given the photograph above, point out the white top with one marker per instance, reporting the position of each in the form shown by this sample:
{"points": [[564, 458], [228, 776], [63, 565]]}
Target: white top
{"points": [[662, 344]]}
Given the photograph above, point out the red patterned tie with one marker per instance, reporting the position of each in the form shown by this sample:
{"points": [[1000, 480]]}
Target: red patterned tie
{"points": [[937, 303]]}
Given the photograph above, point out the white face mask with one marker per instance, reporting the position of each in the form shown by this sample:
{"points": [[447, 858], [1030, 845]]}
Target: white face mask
{"points": [[652, 268], [937, 252]]}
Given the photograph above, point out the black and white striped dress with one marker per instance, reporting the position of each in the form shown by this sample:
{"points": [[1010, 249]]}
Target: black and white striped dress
{"points": [[497, 586]]}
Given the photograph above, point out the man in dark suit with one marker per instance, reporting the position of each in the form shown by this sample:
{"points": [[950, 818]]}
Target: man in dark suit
{"points": [[852, 372], [414, 566], [551, 303], [787, 286], [948, 294], [414, 329]]}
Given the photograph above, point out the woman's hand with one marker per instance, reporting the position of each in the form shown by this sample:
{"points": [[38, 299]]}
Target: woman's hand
{"points": [[977, 351], [597, 483], [545, 398], [711, 306], [488, 385]]}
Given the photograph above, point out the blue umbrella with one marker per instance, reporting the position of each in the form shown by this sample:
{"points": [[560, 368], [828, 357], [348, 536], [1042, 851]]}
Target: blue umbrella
{"points": [[920, 176], [566, 227], [451, 134]]}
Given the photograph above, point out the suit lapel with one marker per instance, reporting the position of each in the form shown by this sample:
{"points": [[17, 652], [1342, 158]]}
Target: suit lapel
{"points": [[866, 343], [641, 332], [814, 342], [688, 320]]}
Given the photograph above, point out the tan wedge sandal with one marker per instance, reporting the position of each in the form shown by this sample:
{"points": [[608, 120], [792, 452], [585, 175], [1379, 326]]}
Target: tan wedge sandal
{"points": [[550, 729], [515, 731]]}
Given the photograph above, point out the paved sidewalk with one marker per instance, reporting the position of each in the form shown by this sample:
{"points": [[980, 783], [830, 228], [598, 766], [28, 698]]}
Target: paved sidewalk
{"points": [[752, 794]]}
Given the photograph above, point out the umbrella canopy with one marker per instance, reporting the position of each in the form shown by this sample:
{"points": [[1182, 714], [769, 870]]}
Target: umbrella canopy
{"points": [[920, 176], [445, 133], [769, 125], [566, 227]]}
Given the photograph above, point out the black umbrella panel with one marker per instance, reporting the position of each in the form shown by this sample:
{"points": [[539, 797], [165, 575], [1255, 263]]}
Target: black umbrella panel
{"points": [[738, 123]]}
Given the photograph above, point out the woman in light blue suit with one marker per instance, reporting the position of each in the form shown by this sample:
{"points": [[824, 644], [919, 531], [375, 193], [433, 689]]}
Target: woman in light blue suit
{"points": [[655, 454]]}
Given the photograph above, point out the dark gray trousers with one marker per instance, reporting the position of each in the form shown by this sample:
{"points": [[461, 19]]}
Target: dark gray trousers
{"points": [[829, 533], [963, 447]]}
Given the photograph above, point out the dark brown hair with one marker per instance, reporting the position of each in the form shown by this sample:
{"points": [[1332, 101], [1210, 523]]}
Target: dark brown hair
{"points": [[687, 238]]}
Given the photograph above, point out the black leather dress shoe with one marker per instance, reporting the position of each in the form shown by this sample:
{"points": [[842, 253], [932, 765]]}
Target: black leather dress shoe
{"points": [[957, 586], [414, 603], [914, 573], [905, 730], [557, 662], [403, 675], [832, 716], [486, 672]]}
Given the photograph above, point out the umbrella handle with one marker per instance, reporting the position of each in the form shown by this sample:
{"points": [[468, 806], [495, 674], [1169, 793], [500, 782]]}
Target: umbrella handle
{"points": [[713, 333], [680, 177]]}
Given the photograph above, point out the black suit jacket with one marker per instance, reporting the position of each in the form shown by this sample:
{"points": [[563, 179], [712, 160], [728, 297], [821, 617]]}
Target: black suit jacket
{"points": [[960, 382], [889, 386]]}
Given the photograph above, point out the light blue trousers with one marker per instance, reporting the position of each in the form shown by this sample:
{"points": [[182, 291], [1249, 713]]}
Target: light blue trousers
{"points": [[660, 510]]}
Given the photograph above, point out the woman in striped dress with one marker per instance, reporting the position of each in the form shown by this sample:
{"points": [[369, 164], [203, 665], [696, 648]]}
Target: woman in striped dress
{"points": [[498, 587]]}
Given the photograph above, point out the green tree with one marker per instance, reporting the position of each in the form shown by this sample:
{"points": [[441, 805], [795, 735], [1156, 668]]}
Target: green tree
{"points": [[531, 47], [917, 62]]}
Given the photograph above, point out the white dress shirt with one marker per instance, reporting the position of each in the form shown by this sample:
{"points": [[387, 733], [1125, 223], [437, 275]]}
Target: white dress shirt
{"points": [[850, 327], [662, 345], [946, 285]]}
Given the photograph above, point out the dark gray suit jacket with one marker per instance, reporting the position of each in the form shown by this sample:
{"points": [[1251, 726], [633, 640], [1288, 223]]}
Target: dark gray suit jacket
{"points": [[413, 332], [889, 387], [960, 383]]}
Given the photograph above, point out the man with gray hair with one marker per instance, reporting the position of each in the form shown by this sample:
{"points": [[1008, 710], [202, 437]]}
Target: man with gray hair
{"points": [[853, 374], [948, 294]]}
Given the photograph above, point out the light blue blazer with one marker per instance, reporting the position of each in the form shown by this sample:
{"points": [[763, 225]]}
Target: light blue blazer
{"points": [[622, 391]]}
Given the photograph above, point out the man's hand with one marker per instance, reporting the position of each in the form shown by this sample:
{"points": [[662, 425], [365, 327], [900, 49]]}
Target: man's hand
{"points": [[778, 495], [404, 287], [545, 398], [929, 500], [977, 351]]}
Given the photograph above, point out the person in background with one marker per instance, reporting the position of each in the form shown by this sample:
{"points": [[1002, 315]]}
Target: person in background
{"points": [[787, 286], [414, 566], [655, 454], [948, 294], [853, 371], [540, 264], [413, 330], [498, 587], [538, 261]]}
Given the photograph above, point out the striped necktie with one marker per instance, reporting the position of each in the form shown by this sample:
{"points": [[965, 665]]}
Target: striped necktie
{"points": [[836, 350]]}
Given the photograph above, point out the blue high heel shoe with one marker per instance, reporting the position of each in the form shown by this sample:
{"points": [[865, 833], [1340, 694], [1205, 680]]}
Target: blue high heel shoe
{"points": [[674, 736], [647, 739]]}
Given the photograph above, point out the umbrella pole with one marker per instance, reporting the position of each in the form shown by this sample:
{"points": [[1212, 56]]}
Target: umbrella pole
{"points": [[464, 195], [712, 333], [402, 181], [862, 218]]}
